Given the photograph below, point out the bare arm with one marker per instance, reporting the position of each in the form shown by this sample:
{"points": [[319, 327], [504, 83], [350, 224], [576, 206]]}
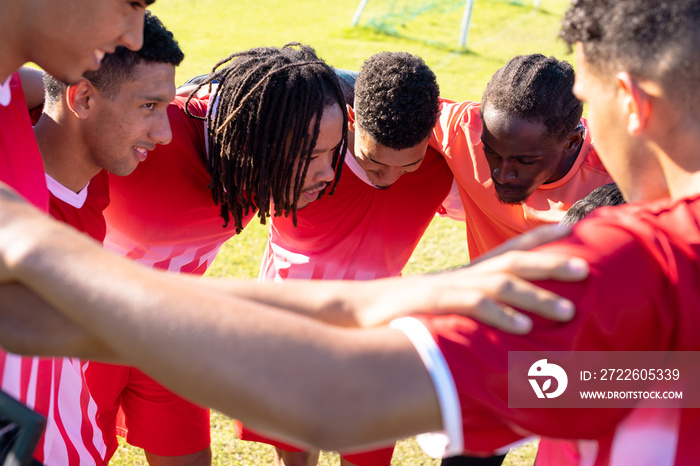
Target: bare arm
{"points": [[31, 326], [226, 352], [487, 291], [230, 352]]}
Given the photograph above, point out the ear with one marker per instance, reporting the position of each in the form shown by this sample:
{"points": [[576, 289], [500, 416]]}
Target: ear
{"points": [[636, 101], [80, 98], [351, 118], [575, 138]]}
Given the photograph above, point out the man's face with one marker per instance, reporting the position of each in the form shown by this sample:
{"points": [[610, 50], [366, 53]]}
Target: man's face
{"points": [[71, 37], [605, 122], [122, 129], [521, 154], [384, 165], [320, 172]]}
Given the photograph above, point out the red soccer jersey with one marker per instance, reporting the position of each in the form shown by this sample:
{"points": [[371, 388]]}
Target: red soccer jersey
{"points": [[163, 215], [55, 387], [51, 386], [489, 221], [642, 295], [83, 211], [20, 161], [360, 232]]}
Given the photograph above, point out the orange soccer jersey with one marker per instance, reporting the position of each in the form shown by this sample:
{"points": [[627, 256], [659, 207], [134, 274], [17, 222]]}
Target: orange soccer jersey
{"points": [[489, 221]]}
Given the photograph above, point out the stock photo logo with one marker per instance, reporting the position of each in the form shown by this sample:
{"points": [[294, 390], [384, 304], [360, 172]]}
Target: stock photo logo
{"points": [[543, 372]]}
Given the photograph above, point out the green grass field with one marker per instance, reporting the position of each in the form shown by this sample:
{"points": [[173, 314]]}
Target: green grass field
{"points": [[209, 30]]}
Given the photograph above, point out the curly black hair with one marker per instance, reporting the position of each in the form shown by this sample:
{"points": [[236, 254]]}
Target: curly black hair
{"points": [[397, 99], [654, 39], [265, 102], [606, 195], [537, 88], [159, 46]]}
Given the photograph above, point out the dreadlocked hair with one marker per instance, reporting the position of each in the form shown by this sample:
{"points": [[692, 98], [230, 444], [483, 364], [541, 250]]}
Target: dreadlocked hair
{"points": [[539, 89], [260, 145]]}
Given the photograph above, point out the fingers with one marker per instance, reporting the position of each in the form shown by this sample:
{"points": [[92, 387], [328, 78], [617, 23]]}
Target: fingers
{"points": [[526, 296], [502, 317], [537, 266], [492, 297]]}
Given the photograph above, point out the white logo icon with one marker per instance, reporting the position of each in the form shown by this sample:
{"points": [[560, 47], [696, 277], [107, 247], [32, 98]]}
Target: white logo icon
{"points": [[544, 369]]}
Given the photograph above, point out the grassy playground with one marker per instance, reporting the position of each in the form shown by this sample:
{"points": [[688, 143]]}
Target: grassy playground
{"points": [[210, 30]]}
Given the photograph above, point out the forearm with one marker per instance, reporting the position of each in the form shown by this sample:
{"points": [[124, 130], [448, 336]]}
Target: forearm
{"points": [[336, 302], [233, 354], [31, 327]]}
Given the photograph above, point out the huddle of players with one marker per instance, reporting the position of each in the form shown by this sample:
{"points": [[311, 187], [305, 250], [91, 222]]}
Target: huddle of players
{"points": [[425, 372], [348, 195]]}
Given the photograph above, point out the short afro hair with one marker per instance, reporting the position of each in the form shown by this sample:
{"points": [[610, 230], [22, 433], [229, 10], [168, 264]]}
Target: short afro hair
{"points": [[397, 99], [653, 39], [538, 89]]}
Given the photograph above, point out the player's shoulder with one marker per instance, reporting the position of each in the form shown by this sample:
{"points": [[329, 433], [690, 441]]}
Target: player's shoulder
{"points": [[196, 107]]}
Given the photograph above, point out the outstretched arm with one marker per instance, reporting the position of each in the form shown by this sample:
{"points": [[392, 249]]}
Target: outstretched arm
{"points": [[30, 326], [486, 290], [217, 347]]}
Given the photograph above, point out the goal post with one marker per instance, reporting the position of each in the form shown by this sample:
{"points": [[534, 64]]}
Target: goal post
{"points": [[464, 26], [466, 22]]}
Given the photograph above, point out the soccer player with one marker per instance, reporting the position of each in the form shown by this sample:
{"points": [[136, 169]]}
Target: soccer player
{"points": [[107, 122], [522, 156], [66, 39], [246, 156], [389, 190]]}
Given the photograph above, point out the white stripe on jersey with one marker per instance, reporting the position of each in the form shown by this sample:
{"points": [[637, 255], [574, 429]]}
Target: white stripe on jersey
{"points": [[97, 437], [32, 387], [175, 256], [67, 374], [449, 442], [647, 436], [588, 449], [54, 450], [10, 378]]}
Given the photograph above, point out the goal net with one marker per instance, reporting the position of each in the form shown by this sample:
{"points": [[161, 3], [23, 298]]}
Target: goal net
{"points": [[432, 20]]}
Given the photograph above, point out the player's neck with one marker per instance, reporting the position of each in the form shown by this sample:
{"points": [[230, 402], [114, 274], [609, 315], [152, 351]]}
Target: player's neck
{"points": [[64, 160], [678, 154]]}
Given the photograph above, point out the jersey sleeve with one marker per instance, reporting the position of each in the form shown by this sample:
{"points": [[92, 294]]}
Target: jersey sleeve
{"points": [[449, 125], [621, 306], [453, 207]]}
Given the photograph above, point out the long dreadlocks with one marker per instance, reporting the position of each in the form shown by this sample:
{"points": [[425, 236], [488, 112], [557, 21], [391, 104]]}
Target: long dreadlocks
{"points": [[258, 123]]}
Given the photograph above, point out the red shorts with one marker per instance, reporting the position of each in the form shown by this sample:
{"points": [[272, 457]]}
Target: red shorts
{"points": [[380, 457], [146, 414]]}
